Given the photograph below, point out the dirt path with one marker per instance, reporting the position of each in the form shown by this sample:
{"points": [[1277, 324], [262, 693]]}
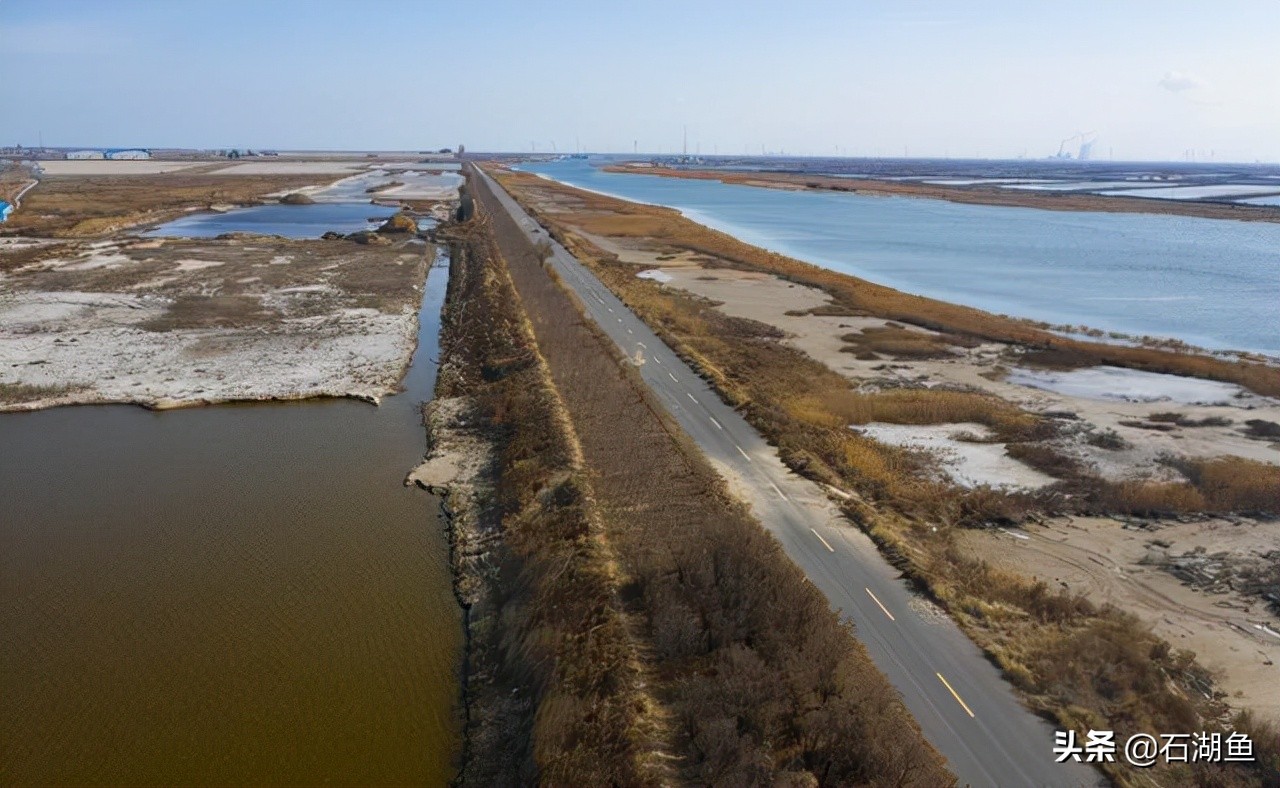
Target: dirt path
{"points": [[1108, 562]]}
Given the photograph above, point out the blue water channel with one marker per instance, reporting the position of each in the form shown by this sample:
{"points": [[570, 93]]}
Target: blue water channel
{"points": [[1211, 282], [290, 221]]}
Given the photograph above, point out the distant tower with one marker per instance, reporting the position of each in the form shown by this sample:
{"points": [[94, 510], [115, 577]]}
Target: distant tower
{"points": [[461, 150]]}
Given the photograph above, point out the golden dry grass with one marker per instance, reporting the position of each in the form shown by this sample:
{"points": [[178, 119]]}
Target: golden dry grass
{"points": [[555, 689], [1088, 666], [1236, 484], [21, 392], [902, 343]]}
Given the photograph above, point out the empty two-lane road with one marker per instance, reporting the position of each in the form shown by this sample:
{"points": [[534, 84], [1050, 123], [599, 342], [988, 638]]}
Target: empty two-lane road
{"points": [[964, 707]]}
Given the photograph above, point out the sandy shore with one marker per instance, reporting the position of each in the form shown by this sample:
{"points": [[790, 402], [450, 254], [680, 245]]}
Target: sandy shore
{"points": [[1114, 562], [174, 322]]}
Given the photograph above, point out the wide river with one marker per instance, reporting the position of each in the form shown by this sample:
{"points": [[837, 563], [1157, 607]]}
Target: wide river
{"points": [[239, 594], [1210, 282]]}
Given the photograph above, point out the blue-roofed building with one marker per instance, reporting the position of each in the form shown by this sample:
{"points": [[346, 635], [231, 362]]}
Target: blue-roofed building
{"points": [[5, 210]]}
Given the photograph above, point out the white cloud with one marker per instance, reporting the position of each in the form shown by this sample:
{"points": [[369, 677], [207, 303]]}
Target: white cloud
{"points": [[1177, 81]]}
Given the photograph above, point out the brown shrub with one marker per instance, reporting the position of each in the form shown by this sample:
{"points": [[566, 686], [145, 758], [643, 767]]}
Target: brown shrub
{"points": [[899, 343], [1146, 425], [13, 393], [400, 222], [1062, 358], [1148, 499], [1261, 428], [1046, 459], [553, 690], [1183, 420], [759, 675], [1235, 484], [918, 406], [1114, 672], [1108, 439]]}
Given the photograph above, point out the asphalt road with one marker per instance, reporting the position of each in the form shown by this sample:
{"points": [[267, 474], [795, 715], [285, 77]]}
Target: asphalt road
{"points": [[966, 710]]}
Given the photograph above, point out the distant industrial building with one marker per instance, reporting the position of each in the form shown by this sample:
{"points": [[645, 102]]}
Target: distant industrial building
{"points": [[85, 154], [128, 153]]}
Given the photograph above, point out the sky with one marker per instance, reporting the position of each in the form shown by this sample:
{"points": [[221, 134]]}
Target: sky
{"points": [[1152, 79]]}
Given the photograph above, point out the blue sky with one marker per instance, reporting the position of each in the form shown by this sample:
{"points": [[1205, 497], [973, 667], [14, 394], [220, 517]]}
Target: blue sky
{"points": [[1152, 78]]}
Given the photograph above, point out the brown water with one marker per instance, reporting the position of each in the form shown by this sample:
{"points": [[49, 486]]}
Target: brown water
{"points": [[234, 594]]}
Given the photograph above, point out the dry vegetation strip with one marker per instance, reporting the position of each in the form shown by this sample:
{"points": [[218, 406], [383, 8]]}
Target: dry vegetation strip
{"points": [[14, 178], [1089, 666], [71, 206], [977, 194], [762, 681], [553, 687]]}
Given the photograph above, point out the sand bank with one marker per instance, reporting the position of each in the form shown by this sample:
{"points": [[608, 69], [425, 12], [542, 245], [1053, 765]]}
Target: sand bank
{"points": [[979, 194], [1112, 561]]}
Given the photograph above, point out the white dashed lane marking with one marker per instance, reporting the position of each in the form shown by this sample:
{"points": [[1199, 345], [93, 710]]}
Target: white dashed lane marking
{"points": [[824, 541], [881, 604]]}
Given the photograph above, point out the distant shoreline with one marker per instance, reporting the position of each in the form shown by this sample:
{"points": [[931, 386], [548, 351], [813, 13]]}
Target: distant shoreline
{"points": [[974, 195]]}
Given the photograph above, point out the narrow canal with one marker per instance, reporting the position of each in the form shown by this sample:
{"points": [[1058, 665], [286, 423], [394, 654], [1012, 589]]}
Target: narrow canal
{"points": [[231, 594]]}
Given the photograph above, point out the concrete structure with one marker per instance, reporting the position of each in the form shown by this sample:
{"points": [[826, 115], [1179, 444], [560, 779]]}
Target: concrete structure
{"points": [[85, 154], [128, 153]]}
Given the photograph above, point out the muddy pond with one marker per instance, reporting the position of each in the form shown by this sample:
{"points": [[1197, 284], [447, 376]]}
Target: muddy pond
{"points": [[230, 594]]}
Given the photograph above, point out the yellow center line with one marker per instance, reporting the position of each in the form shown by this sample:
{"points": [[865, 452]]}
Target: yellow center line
{"points": [[954, 694], [881, 604], [824, 541]]}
